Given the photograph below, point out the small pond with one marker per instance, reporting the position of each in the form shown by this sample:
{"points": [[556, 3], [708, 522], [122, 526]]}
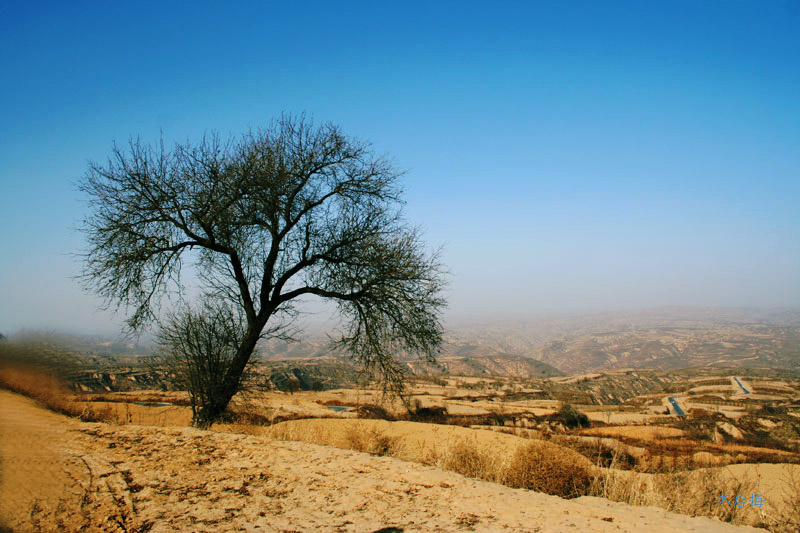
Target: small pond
{"points": [[338, 408], [153, 404]]}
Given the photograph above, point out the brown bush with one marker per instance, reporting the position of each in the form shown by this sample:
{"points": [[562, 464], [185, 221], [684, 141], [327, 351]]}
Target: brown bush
{"points": [[600, 454], [467, 459], [544, 467], [372, 441], [436, 414], [371, 411]]}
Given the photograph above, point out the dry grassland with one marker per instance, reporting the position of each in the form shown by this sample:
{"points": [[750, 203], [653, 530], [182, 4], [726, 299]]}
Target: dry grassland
{"points": [[550, 466], [50, 391], [140, 478], [491, 456], [635, 432], [144, 415]]}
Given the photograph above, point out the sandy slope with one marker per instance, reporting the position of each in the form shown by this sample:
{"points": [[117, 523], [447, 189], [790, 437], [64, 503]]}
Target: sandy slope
{"points": [[116, 478], [49, 478]]}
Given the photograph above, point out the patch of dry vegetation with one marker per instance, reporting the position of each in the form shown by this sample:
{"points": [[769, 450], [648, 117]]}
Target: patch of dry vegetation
{"points": [[635, 432], [698, 442], [542, 466], [373, 441], [466, 458], [513, 461], [693, 493], [41, 385], [638, 465], [545, 467], [787, 519]]}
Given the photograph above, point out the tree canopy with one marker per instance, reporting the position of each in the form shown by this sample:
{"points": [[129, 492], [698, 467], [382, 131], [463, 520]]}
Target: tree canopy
{"points": [[265, 219]]}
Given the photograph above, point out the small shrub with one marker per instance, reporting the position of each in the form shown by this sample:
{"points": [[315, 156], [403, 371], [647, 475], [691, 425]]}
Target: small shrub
{"points": [[600, 454], [548, 468], [773, 410], [373, 441], [468, 460], [571, 417], [430, 414], [370, 411]]}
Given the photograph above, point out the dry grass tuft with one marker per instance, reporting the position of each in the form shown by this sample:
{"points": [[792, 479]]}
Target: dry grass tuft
{"points": [[536, 465], [468, 459], [314, 433], [372, 441], [547, 468]]}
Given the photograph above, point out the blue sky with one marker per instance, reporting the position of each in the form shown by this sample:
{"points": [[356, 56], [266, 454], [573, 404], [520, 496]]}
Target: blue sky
{"points": [[569, 156]]}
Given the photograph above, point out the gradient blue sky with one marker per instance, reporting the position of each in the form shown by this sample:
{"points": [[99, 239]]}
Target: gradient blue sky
{"points": [[569, 156]]}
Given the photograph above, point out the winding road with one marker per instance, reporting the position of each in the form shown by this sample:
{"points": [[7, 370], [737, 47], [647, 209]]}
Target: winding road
{"points": [[678, 409], [740, 385]]}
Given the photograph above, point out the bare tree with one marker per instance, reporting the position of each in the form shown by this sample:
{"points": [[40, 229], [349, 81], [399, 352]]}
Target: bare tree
{"points": [[269, 218], [199, 346]]}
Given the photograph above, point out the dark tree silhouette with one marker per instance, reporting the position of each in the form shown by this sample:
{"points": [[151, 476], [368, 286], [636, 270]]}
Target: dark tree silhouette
{"points": [[198, 347], [265, 219]]}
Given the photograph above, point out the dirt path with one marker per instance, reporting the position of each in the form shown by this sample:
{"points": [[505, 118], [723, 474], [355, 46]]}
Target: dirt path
{"points": [[49, 480], [59, 472]]}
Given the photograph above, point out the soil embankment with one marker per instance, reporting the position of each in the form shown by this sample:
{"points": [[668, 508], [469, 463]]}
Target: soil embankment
{"points": [[57, 472]]}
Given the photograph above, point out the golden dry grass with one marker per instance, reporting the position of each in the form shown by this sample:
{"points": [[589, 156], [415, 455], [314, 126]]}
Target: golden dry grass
{"points": [[788, 516], [689, 446], [635, 432], [468, 459], [507, 459], [144, 415], [50, 391], [534, 464], [44, 386], [420, 440], [779, 484], [543, 467], [693, 493]]}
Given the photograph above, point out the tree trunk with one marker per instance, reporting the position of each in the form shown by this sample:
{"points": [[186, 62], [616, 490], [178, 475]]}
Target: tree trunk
{"points": [[217, 403]]}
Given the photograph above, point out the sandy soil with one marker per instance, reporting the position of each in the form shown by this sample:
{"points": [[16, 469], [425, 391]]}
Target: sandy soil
{"points": [[49, 478], [57, 472]]}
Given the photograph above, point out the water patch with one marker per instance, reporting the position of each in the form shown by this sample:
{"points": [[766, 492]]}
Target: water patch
{"points": [[338, 408], [154, 404]]}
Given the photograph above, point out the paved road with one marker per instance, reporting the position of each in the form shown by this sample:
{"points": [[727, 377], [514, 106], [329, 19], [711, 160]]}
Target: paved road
{"points": [[678, 409], [740, 385]]}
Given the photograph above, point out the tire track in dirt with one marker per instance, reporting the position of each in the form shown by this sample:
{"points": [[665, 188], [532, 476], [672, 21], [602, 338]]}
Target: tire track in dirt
{"points": [[48, 480]]}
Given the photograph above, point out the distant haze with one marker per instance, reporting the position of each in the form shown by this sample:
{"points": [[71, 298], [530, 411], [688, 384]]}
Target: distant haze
{"points": [[567, 158]]}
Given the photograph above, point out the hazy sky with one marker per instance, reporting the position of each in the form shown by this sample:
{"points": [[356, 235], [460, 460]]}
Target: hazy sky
{"points": [[569, 156]]}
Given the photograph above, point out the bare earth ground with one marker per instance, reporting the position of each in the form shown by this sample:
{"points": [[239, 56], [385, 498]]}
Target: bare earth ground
{"points": [[58, 473]]}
